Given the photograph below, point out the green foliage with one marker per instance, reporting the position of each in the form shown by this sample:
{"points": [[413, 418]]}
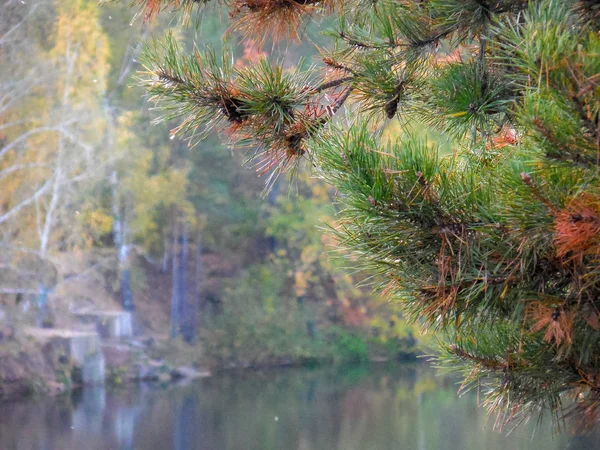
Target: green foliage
{"points": [[495, 244], [197, 85], [460, 102], [259, 324], [268, 90], [350, 347]]}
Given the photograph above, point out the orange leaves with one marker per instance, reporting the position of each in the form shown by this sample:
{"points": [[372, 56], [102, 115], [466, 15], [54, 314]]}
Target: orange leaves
{"points": [[507, 136], [252, 53], [284, 148], [577, 229], [576, 236], [441, 298], [151, 8], [288, 146], [354, 316], [557, 322], [300, 283], [452, 57], [280, 18]]}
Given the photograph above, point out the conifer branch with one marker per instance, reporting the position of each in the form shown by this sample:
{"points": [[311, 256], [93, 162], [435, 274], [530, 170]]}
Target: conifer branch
{"points": [[589, 125], [467, 243], [536, 191], [332, 84], [339, 102], [488, 363]]}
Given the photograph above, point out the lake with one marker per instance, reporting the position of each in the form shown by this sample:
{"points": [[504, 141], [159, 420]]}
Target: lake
{"points": [[381, 407]]}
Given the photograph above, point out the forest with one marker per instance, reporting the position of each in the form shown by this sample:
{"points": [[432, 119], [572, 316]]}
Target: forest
{"points": [[265, 183], [102, 212]]}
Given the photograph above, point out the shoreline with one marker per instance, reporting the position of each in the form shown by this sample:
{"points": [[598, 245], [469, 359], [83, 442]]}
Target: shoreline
{"points": [[38, 385]]}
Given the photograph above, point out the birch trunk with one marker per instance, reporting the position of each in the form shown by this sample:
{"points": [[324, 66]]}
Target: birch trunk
{"points": [[175, 284]]}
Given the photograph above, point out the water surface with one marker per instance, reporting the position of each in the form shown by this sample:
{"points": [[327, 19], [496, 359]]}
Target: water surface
{"points": [[348, 408]]}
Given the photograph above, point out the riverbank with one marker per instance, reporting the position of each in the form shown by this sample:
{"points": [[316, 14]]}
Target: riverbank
{"points": [[50, 362], [355, 407], [87, 337]]}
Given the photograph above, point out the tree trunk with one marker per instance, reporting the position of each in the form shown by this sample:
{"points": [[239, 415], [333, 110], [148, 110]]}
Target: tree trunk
{"points": [[126, 294], [45, 230], [175, 284], [184, 307], [41, 300], [183, 265], [71, 58], [120, 240], [193, 301], [199, 301], [165, 259], [272, 200]]}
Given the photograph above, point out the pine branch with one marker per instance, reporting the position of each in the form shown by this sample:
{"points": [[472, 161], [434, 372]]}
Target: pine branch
{"points": [[333, 109], [536, 191], [464, 239], [332, 84], [589, 125], [488, 363]]}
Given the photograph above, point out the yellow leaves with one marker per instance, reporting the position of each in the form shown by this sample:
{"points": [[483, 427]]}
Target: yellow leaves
{"points": [[150, 192], [100, 222], [309, 255], [269, 304], [82, 49], [305, 274], [457, 114], [300, 283], [94, 225], [389, 327], [320, 191], [425, 385]]}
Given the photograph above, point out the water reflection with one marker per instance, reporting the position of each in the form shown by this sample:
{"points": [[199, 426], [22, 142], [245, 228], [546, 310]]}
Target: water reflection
{"points": [[352, 408]]}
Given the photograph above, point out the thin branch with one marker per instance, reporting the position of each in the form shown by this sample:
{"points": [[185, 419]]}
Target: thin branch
{"points": [[38, 218], [24, 137], [333, 84], [588, 124], [126, 68], [13, 211], [332, 109], [15, 123], [16, 167], [489, 363], [88, 173], [70, 136], [4, 37]]}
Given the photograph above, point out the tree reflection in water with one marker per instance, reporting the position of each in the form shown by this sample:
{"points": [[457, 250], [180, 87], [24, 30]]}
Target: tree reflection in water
{"points": [[345, 408]]}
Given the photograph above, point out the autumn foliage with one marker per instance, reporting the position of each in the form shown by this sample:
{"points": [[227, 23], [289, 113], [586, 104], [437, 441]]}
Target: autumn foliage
{"points": [[481, 218]]}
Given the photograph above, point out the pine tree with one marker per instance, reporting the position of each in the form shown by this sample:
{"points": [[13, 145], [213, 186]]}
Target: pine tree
{"points": [[497, 245]]}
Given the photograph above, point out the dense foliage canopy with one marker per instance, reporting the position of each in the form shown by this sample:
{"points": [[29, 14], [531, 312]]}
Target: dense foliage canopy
{"points": [[99, 211], [496, 244]]}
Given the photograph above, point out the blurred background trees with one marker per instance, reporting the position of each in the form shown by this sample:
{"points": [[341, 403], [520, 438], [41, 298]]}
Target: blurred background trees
{"points": [[100, 211], [495, 244]]}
